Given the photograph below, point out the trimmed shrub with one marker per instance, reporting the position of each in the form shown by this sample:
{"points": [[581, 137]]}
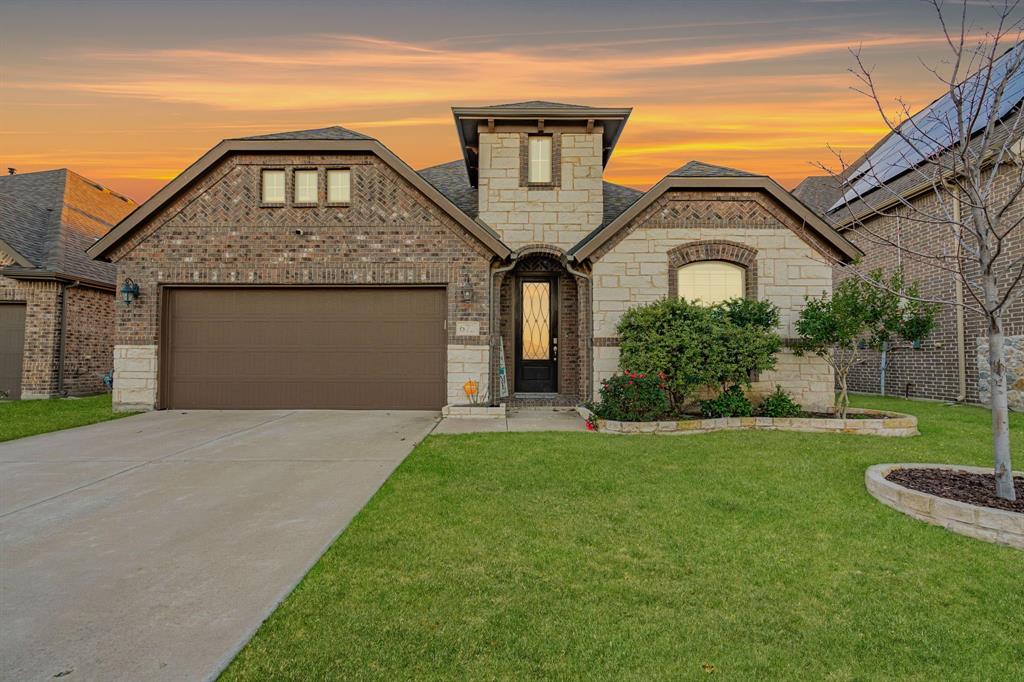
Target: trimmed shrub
{"points": [[631, 397], [779, 404], [729, 403], [693, 346]]}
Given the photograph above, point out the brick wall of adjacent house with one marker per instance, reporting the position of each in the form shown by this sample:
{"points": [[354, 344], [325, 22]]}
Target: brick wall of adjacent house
{"points": [[89, 337], [788, 264], [217, 232], [561, 213], [932, 371], [89, 350]]}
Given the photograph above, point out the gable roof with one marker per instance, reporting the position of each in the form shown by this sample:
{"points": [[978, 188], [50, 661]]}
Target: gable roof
{"points": [[744, 181], [329, 133], [699, 169], [48, 220], [286, 145]]}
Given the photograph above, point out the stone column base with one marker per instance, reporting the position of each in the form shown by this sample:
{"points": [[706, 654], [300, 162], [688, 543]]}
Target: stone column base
{"points": [[135, 378]]}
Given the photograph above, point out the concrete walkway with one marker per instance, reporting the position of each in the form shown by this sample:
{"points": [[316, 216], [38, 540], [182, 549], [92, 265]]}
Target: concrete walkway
{"points": [[517, 420], [152, 547]]}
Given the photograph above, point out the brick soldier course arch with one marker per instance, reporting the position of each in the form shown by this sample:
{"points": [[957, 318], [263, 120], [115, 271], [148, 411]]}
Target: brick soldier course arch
{"points": [[713, 250]]}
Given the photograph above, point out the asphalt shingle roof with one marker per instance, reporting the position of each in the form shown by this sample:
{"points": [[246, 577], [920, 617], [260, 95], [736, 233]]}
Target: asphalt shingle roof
{"points": [[330, 133], [699, 169], [819, 192], [51, 217], [537, 104], [451, 180]]}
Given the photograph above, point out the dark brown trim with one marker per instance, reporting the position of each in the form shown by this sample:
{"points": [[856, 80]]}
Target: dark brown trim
{"points": [[843, 247], [137, 217], [14, 255], [33, 274], [714, 250]]}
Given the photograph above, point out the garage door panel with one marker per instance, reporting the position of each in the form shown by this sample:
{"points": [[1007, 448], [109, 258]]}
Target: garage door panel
{"points": [[306, 348], [12, 345]]}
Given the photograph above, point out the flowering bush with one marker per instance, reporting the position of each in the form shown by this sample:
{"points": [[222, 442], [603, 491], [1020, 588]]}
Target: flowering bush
{"points": [[632, 397]]}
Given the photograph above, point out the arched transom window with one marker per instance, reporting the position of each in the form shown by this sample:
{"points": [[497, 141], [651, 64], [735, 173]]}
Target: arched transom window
{"points": [[711, 281]]}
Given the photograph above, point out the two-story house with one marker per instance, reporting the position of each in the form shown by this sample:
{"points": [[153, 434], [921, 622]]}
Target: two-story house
{"points": [[316, 269]]}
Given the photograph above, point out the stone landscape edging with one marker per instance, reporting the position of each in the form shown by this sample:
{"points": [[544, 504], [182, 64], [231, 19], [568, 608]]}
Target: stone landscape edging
{"points": [[982, 523], [892, 424]]}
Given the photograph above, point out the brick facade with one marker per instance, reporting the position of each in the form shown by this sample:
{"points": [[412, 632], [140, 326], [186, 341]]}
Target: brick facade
{"points": [[931, 371], [88, 342], [217, 232]]}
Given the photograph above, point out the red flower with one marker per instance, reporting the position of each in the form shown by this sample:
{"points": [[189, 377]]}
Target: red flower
{"points": [[631, 383], [642, 376], [590, 426], [632, 376]]}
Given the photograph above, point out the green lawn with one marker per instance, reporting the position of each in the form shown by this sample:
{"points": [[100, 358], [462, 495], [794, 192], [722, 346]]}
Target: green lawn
{"points": [[732, 555], [20, 418]]}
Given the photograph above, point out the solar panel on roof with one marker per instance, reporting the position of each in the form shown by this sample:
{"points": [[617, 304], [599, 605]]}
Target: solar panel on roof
{"points": [[934, 128]]}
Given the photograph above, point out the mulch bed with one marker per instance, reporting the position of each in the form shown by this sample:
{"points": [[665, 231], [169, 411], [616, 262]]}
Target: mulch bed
{"points": [[962, 486]]}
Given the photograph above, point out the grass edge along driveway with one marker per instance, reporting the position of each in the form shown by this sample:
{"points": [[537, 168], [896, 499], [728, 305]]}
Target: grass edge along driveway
{"points": [[738, 555], [23, 418]]}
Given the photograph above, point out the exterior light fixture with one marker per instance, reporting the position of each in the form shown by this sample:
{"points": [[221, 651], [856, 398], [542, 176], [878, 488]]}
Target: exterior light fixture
{"points": [[466, 290], [129, 290]]}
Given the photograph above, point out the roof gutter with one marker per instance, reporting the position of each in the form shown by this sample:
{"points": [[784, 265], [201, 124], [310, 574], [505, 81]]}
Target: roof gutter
{"points": [[20, 273]]}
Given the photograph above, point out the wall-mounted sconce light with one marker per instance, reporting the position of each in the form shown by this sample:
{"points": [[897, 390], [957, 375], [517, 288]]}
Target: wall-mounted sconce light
{"points": [[129, 290], [466, 290]]}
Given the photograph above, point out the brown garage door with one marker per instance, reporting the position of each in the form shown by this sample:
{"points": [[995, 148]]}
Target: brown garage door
{"points": [[266, 348], [12, 345]]}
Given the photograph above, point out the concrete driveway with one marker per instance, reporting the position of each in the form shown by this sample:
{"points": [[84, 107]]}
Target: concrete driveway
{"points": [[152, 547]]}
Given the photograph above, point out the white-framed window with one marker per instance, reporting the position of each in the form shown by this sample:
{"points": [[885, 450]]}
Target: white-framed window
{"points": [[539, 150], [339, 186], [712, 281], [307, 188], [272, 181]]}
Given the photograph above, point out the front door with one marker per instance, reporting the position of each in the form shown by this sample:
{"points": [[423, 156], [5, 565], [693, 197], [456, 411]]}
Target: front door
{"points": [[537, 335]]}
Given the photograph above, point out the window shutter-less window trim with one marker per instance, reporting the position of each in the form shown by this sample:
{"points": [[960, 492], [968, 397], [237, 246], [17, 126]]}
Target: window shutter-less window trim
{"points": [[710, 282], [339, 186], [306, 187], [272, 191], [540, 158]]}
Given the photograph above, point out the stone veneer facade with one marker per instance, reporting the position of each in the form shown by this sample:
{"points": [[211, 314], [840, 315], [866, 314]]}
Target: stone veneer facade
{"points": [[559, 213], [217, 232], [784, 265]]}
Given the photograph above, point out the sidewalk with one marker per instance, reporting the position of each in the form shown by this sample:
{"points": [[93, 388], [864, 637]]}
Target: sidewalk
{"points": [[518, 419]]}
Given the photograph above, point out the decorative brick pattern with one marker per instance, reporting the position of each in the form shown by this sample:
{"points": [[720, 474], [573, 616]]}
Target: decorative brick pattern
{"points": [[785, 262], [731, 252], [217, 232], [560, 214], [556, 162]]}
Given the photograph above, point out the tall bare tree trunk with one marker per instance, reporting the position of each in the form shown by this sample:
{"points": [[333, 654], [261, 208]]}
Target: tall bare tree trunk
{"points": [[1000, 412]]}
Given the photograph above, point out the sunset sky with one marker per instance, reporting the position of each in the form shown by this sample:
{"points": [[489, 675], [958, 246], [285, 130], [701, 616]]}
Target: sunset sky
{"points": [[129, 92]]}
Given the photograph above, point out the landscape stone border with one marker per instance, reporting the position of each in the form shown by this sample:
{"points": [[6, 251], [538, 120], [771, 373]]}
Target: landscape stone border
{"points": [[983, 523], [894, 424]]}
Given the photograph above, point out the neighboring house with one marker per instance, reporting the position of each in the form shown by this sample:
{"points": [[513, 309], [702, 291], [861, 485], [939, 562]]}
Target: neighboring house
{"points": [[56, 303], [952, 363], [315, 269]]}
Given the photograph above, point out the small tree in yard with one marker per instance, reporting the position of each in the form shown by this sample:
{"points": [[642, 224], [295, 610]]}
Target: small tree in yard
{"points": [[691, 346], [861, 314], [964, 153]]}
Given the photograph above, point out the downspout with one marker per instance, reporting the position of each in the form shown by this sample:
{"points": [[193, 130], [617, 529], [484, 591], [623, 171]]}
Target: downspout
{"points": [[495, 324], [589, 311], [63, 333], [961, 341]]}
